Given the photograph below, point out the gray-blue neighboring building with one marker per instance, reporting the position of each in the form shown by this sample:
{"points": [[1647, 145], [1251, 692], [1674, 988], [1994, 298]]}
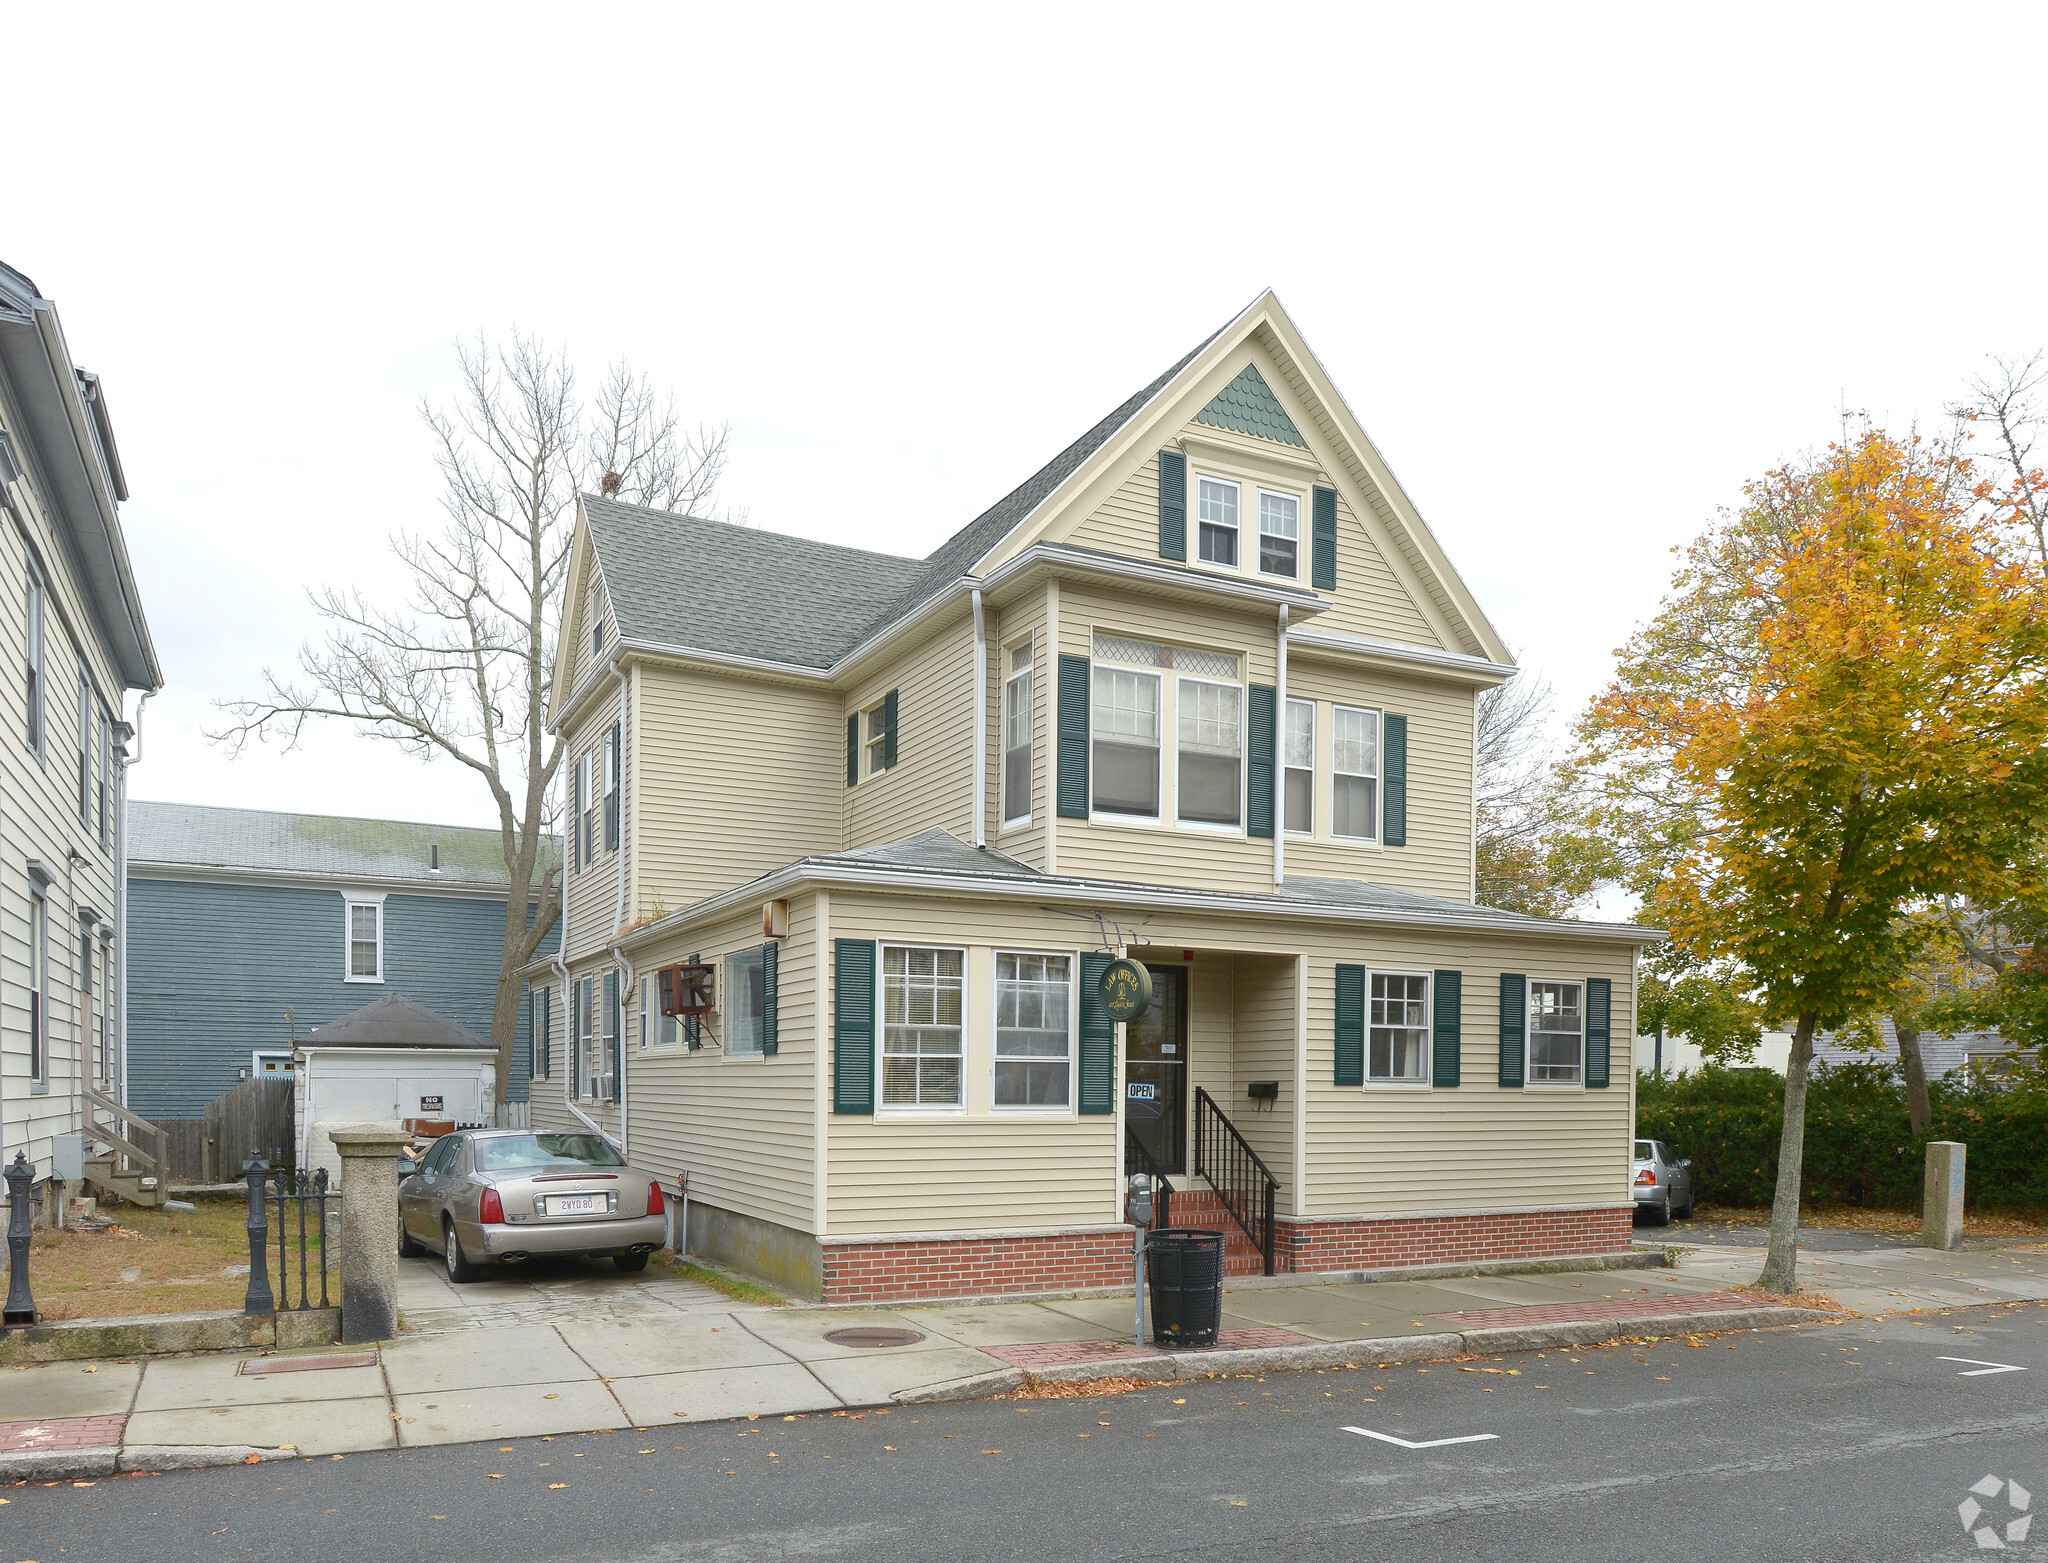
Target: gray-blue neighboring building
{"points": [[247, 929]]}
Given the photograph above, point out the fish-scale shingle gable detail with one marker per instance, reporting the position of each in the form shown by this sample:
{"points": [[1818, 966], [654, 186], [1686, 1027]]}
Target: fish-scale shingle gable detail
{"points": [[1249, 406]]}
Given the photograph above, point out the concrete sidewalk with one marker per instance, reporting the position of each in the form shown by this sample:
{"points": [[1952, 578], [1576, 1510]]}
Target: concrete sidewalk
{"points": [[521, 1358]]}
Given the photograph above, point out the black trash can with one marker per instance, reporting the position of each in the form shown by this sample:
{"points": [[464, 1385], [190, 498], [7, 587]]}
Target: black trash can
{"points": [[1184, 1270]]}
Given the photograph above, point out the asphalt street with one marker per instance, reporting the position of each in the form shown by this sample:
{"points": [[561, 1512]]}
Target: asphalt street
{"points": [[1850, 1442]]}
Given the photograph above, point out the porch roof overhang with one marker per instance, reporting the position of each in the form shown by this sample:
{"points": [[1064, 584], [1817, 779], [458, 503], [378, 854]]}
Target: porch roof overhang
{"points": [[939, 864]]}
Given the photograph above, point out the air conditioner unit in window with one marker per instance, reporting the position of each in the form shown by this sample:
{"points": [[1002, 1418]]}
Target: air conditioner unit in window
{"points": [[688, 989]]}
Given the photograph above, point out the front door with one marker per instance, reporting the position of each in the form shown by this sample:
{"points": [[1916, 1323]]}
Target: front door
{"points": [[1156, 1070]]}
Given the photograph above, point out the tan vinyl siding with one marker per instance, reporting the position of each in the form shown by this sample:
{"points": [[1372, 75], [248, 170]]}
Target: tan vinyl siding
{"points": [[590, 916], [1438, 857], [1378, 1149], [1370, 599], [739, 776], [39, 820], [931, 786]]}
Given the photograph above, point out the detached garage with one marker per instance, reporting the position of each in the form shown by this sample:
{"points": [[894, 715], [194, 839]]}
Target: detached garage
{"points": [[386, 1063]]}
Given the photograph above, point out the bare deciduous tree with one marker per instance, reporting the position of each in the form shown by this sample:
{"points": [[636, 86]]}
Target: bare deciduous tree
{"points": [[2007, 399], [461, 670], [1529, 855]]}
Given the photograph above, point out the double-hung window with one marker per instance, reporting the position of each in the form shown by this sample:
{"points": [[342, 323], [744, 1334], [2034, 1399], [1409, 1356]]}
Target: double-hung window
{"points": [[365, 941], [1017, 737], [38, 991], [1124, 730], [875, 728], [746, 1000], [609, 1062], [922, 996], [1216, 521], [592, 803], [1279, 534], [1355, 773], [1034, 1030], [1298, 758], [106, 746], [611, 788], [1398, 1029], [35, 660], [84, 743], [579, 1062], [656, 1029], [1557, 1033], [539, 1026], [1211, 780]]}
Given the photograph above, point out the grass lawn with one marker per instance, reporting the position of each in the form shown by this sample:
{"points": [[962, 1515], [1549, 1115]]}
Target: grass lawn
{"points": [[157, 1261]]}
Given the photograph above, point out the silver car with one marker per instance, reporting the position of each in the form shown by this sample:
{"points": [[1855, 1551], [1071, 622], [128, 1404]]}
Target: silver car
{"points": [[507, 1195], [1663, 1183]]}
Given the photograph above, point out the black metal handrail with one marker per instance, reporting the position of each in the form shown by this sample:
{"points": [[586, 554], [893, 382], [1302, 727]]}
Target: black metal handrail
{"points": [[1139, 1159], [1242, 1182]]}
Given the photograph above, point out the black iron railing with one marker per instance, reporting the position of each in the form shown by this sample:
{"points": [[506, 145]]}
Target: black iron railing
{"points": [[289, 1189], [1139, 1159], [1233, 1169]]}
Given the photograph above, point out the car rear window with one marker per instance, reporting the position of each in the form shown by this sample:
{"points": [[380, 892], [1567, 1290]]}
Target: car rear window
{"points": [[511, 1152], [1642, 1150]]}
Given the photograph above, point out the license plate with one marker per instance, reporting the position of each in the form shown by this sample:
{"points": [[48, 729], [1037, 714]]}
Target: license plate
{"points": [[575, 1204]]}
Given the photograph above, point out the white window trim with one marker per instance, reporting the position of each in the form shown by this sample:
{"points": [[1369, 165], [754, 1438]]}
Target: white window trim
{"points": [[1073, 1107], [1207, 827], [1195, 552], [1030, 674], [37, 662], [1428, 1031], [725, 1017], [350, 900], [256, 1060], [1167, 791], [1529, 1080], [39, 987], [1315, 732], [919, 1110], [1258, 569], [1379, 792], [873, 747]]}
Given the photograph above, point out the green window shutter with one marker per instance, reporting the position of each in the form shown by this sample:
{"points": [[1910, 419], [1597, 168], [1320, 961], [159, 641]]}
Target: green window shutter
{"points": [[1514, 1020], [853, 750], [1350, 1026], [1599, 1004], [1258, 769], [1073, 738], [771, 954], [611, 1026], [853, 1026], [1173, 505], [1394, 750], [1098, 1037], [1450, 999], [888, 729], [1324, 567]]}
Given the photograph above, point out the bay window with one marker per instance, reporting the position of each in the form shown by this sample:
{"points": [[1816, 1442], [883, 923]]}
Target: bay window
{"points": [[1211, 752], [1298, 759], [1017, 736], [1124, 732], [1355, 773]]}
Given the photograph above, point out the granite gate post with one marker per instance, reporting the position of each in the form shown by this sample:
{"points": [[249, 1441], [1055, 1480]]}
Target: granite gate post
{"points": [[1941, 1212], [369, 1230]]}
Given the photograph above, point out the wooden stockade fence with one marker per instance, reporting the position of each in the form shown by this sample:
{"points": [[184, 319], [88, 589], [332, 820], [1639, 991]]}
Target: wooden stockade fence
{"points": [[255, 1115]]}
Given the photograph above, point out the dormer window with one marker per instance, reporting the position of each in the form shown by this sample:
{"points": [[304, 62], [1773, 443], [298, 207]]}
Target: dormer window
{"points": [[1279, 534], [1216, 516]]}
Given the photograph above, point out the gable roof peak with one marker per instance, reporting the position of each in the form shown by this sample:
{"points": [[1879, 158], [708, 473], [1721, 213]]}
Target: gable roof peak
{"points": [[1249, 406]]}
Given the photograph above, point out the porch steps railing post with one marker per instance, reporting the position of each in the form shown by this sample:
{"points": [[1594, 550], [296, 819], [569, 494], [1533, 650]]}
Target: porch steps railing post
{"points": [[1243, 1183]]}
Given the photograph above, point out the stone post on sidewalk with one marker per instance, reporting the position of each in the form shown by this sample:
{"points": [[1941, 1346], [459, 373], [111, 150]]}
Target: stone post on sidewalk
{"points": [[369, 1229], [1941, 1210]]}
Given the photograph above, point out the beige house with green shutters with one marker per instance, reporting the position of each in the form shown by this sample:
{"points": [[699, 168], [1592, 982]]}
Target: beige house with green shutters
{"points": [[1199, 693]]}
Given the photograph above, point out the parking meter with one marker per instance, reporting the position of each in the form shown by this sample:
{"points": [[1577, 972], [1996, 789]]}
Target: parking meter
{"points": [[1140, 1208]]}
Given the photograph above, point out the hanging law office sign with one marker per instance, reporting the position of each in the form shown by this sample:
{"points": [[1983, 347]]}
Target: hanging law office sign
{"points": [[1126, 990]]}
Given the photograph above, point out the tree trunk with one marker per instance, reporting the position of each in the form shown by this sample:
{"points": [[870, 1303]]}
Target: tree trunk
{"points": [[1781, 1263], [1918, 1106]]}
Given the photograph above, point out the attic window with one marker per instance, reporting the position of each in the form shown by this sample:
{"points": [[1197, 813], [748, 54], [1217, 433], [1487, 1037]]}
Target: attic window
{"points": [[596, 637]]}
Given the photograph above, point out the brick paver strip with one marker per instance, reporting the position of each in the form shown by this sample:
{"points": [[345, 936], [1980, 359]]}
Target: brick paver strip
{"points": [[1606, 1308], [259, 1366], [62, 1432]]}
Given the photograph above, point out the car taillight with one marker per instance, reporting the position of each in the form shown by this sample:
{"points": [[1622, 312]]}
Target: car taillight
{"points": [[1647, 1178], [490, 1207], [654, 1205]]}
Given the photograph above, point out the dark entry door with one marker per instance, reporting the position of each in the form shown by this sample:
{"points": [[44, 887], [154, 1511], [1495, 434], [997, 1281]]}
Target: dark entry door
{"points": [[1156, 1070]]}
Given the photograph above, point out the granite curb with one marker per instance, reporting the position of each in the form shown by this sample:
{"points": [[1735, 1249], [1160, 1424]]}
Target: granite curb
{"points": [[30, 1465]]}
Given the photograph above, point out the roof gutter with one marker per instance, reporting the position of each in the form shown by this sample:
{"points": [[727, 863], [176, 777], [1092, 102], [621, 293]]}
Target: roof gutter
{"points": [[1469, 669], [808, 871]]}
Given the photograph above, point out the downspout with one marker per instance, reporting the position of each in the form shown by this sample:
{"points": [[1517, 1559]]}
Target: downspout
{"points": [[1280, 759], [626, 980], [619, 912], [980, 723]]}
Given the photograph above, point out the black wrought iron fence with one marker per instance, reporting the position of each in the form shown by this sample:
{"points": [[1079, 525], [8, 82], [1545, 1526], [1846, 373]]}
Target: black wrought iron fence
{"points": [[309, 1196]]}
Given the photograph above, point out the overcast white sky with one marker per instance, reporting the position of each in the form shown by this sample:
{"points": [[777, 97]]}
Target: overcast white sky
{"points": [[1579, 271]]}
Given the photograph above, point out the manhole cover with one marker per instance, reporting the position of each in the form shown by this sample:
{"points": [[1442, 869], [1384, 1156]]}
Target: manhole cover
{"points": [[874, 1337]]}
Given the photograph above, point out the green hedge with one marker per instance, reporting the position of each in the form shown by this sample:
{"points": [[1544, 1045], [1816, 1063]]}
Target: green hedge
{"points": [[1860, 1147]]}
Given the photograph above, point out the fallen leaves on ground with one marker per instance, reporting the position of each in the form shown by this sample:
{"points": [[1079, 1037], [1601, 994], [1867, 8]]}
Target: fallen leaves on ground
{"points": [[1036, 1388]]}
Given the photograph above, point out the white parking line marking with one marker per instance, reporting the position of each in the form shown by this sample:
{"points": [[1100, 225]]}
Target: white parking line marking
{"points": [[1983, 1368], [1430, 1443]]}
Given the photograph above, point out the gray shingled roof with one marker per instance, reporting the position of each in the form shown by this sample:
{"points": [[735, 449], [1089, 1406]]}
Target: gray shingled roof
{"points": [[680, 581], [1938, 1054], [395, 1021], [200, 835]]}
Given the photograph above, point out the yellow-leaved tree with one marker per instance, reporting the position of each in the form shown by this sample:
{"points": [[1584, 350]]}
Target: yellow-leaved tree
{"points": [[1836, 717]]}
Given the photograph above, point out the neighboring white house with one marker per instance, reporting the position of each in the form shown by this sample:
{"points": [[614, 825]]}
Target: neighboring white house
{"points": [[74, 642], [1940, 1055]]}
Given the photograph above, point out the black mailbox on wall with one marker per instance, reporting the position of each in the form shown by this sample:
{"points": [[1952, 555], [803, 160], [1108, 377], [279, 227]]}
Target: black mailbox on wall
{"points": [[1263, 1090]]}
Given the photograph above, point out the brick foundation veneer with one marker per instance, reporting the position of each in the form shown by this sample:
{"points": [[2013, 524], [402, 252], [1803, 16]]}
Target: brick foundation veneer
{"points": [[1364, 1244], [990, 1265], [908, 1269]]}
